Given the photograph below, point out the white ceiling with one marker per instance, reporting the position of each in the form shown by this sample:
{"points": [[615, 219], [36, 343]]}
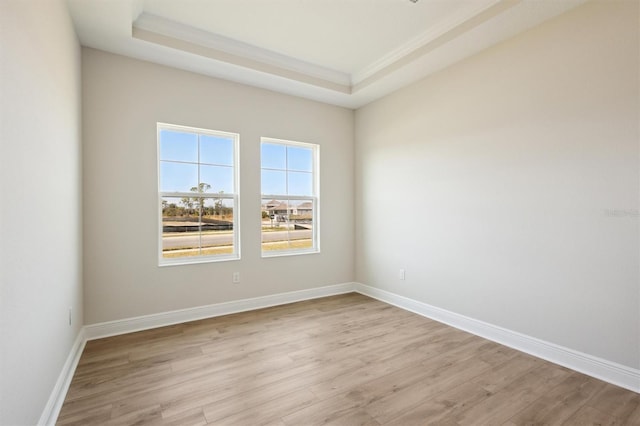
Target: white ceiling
{"points": [[344, 52]]}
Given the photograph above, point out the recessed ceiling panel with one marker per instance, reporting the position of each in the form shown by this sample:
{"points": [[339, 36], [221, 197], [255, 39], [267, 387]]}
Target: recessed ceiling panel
{"points": [[344, 35], [344, 52]]}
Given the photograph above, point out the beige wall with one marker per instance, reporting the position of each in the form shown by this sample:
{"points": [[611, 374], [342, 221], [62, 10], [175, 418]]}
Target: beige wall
{"points": [[122, 101], [40, 216], [507, 185]]}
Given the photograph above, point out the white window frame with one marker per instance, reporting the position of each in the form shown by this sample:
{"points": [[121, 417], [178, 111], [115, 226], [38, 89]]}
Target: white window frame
{"points": [[315, 198], [235, 196]]}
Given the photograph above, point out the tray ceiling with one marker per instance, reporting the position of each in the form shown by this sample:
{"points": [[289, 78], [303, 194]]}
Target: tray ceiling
{"points": [[343, 52]]}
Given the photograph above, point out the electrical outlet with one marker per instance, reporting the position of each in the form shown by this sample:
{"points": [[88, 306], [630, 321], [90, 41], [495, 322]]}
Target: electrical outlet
{"points": [[401, 274], [236, 277]]}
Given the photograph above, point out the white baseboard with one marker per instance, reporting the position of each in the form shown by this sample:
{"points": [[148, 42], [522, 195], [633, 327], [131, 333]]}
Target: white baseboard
{"points": [[608, 371], [617, 374], [56, 399], [129, 325], [112, 328]]}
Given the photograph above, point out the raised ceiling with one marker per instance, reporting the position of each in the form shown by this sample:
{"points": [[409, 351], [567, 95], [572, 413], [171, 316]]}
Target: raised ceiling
{"points": [[343, 52]]}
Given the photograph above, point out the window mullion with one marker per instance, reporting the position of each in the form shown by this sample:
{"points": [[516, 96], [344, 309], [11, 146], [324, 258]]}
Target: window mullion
{"points": [[289, 211], [226, 196], [200, 201]]}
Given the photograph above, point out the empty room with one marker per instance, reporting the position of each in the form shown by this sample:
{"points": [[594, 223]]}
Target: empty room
{"points": [[296, 212]]}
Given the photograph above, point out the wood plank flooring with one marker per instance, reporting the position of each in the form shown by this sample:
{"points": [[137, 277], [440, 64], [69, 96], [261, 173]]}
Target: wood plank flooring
{"points": [[342, 360]]}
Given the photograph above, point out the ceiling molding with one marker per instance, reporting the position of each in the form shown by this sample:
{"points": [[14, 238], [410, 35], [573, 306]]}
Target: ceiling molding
{"points": [[462, 15], [470, 26], [463, 26], [165, 32], [172, 34]]}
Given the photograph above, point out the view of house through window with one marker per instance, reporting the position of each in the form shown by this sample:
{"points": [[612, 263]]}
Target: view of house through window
{"points": [[289, 186], [198, 194]]}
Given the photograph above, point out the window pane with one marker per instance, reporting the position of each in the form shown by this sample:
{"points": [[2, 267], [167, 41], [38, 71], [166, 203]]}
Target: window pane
{"points": [[178, 146], [301, 224], [178, 177], [273, 156], [275, 224], [220, 178], [287, 224], [216, 150], [180, 228], [300, 183], [300, 159], [274, 182], [217, 226], [184, 234]]}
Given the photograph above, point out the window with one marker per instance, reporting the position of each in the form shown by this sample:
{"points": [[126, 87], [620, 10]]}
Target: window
{"points": [[290, 202], [198, 195]]}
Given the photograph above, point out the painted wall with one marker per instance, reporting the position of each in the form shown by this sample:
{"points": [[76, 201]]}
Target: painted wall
{"points": [[40, 208], [123, 99], [507, 185]]}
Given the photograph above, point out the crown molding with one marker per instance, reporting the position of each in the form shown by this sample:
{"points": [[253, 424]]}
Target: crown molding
{"points": [[172, 34], [461, 16], [124, 28], [168, 33]]}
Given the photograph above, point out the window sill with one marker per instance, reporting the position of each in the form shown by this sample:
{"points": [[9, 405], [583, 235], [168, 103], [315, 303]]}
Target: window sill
{"points": [[192, 260], [284, 253]]}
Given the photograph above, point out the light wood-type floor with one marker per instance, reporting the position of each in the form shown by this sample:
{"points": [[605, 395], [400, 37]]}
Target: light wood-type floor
{"points": [[342, 360]]}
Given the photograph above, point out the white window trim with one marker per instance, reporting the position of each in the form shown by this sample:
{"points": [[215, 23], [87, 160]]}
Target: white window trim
{"points": [[315, 198], [162, 261]]}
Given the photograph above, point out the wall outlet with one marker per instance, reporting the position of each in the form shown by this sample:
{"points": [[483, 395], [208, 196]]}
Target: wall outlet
{"points": [[401, 274], [236, 277]]}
